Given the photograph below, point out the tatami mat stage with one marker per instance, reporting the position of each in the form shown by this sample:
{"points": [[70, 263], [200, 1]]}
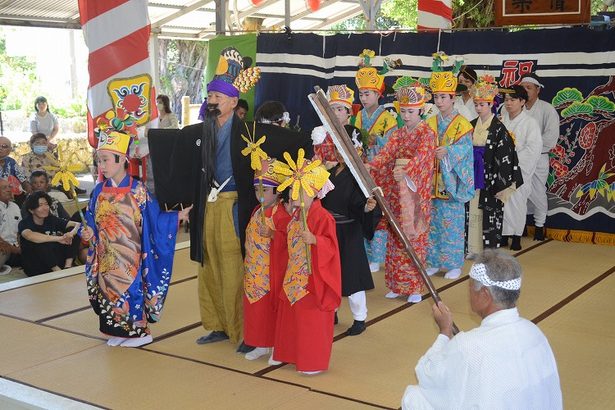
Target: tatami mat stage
{"points": [[49, 340]]}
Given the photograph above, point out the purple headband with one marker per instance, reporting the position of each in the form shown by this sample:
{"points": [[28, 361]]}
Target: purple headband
{"points": [[222, 87]]}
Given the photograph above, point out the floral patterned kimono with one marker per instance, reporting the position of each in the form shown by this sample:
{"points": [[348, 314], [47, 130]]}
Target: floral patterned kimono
{"points": [[130, 259], [410, 201]]}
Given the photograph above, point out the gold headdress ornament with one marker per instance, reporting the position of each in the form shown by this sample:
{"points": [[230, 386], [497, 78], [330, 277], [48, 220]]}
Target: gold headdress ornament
{"points": [[254, 150], [266, 174], [368, 77], [340, 94], [115, 131], [65, 170], [485, 89], [409, 93], [306, 175], [444, 82]]}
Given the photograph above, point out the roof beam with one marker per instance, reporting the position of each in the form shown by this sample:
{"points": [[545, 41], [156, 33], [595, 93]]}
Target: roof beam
{"points": [[29, 21], [185, 10]]}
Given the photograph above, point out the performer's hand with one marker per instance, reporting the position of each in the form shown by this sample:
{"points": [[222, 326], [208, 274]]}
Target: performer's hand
{"points": [[330, 164], [182, 215], [370, 204], [308, 237], [398, 173], [441, 152], [87, 233], [265, 231], [371, 139], [444, 319], [65, 239]]}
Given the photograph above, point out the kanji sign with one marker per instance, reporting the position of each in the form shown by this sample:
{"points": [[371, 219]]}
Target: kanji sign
{"points": [[518, 12]]}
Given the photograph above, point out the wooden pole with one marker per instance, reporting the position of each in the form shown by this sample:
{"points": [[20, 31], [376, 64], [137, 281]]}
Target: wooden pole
{"points": [[345, 147]]}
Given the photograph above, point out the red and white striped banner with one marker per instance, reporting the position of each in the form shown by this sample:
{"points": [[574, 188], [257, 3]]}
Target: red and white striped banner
{"points": [[435, 14], [117, 34]]}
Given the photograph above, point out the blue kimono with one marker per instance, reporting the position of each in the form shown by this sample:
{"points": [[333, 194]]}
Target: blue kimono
{"points": [[129, 263]]}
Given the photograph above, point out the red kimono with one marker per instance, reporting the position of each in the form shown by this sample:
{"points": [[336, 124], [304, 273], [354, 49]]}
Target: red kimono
{"points": [[266, 260], [411, 206], [304, 330]]}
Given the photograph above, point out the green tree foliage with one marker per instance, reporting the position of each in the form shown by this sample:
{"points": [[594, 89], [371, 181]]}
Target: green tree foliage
{"points": [[18, 81]]}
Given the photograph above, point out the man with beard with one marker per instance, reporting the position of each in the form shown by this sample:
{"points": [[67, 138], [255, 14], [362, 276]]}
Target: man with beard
{"points": [[209, 166]]}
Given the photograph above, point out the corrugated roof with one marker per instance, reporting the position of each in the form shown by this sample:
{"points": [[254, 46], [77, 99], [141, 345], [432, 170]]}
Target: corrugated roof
{"points": [[192, 19]]}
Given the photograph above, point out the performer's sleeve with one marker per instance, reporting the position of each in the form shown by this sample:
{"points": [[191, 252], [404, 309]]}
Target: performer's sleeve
{"points": [[381, 167], [506, 159], [90, 211], [368, 220], [551, 132], [326, 268], [158, 247], [458, 169]]}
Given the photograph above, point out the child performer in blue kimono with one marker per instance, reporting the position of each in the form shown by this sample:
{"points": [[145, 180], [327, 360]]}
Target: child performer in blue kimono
{"points": [[129, 263]]}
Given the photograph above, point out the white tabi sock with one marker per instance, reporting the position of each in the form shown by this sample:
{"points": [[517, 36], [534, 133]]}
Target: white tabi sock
{"points": [[415, 298], [374, 267], [257, 352], [453, 274], [137, 341], [115, 341], [432, 271], [273, 362], [391, 295]]}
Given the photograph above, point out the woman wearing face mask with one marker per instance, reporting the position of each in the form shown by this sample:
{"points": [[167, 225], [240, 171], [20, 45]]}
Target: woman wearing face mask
{"points": [[37, 160], [166, 118], [43, 121]]}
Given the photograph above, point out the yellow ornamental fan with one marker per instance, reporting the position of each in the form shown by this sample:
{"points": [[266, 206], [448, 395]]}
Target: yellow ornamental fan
{"points": [[256, 153]]}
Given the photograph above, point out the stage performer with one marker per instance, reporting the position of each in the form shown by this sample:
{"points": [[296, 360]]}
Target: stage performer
{"points": [[130, 260], [400, 170], [548, 121], [312, 283], [463, 102], [526, 132], [340, 99], [376, 125], [453, 179], [355, 218], [496, 171], [506, 362], [203, 164], [264, 263]]}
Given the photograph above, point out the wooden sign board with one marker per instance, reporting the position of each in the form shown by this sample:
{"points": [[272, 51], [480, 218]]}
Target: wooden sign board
{"points": [[521, 12]]}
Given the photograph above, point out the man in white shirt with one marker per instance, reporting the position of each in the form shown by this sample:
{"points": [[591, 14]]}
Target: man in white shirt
{"points": [[10, 215], [504, 363], [548, 120]]}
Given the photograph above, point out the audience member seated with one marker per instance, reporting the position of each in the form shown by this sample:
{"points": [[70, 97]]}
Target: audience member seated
{"points": [[40, 183], [45, 244], [39, 157], [10, 252], [12, 172]]}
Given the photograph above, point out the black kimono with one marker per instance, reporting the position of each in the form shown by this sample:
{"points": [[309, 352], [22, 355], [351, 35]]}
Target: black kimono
{"points": [[346, 203]]}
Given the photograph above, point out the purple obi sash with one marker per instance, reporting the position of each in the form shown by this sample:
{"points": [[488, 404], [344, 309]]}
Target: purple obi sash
{"points": [[479, 167]]}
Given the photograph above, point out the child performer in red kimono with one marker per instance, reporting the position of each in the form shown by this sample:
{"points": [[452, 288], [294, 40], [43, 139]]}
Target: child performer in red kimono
{"points": [[265, 263], [312, 283]]}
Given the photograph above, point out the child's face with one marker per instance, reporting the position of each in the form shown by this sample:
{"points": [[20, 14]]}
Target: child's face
{"points": [[341, 113], [269, 195], [39, 183], [108, 165], [444, 102], [369, 98], [409, 115], [307, 201]]}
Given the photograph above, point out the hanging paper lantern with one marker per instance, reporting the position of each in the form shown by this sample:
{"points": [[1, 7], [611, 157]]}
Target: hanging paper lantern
{"points": [[256, 2], [314, 5]]}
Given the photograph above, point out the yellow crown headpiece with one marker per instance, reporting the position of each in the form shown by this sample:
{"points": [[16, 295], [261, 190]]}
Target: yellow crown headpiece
{"points": [[114, 131], [114, 141], [485, 89], [340, 94], [266, 174], [368, 77], [409, 93], [444, 81]]}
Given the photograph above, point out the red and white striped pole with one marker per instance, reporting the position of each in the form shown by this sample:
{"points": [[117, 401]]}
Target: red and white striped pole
{"points": [[434, 15]]}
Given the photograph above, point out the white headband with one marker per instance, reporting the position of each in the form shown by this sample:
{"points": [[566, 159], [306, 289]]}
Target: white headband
{"points": [[479, 274], [531, 80], [285, 118]]}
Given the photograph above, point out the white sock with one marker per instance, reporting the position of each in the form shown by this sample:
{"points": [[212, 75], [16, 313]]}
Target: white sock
{"points": [[311, 373], [116, 341], [453, 274], [271, 361], [416, 298], [432, 271], [374, 267], [391, 295], [137, 341], [257, 352]]}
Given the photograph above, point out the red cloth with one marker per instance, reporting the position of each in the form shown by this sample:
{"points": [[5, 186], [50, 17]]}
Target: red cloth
{"points": [[304, 331], [259, 318]]}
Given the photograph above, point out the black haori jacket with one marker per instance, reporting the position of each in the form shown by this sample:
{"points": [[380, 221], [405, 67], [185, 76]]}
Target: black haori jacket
{"points": [[184, 162]]}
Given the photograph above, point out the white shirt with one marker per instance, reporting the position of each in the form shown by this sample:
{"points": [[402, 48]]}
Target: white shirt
{"points": [[505, 363], [548, 122], [44, 124], [528, 143], [466, 109], [10, 215]]}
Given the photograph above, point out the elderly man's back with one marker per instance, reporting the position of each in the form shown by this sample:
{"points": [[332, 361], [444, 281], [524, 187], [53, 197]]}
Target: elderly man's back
{"points": [[506, 363]]}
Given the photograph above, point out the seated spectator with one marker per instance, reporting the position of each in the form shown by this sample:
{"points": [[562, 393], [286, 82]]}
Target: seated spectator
{"points": [[242, 108], [40, 183], [39, 157], [45, 244], [44, 121], [166, 118], [12, 172], [504, 363], [9, 221]]}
